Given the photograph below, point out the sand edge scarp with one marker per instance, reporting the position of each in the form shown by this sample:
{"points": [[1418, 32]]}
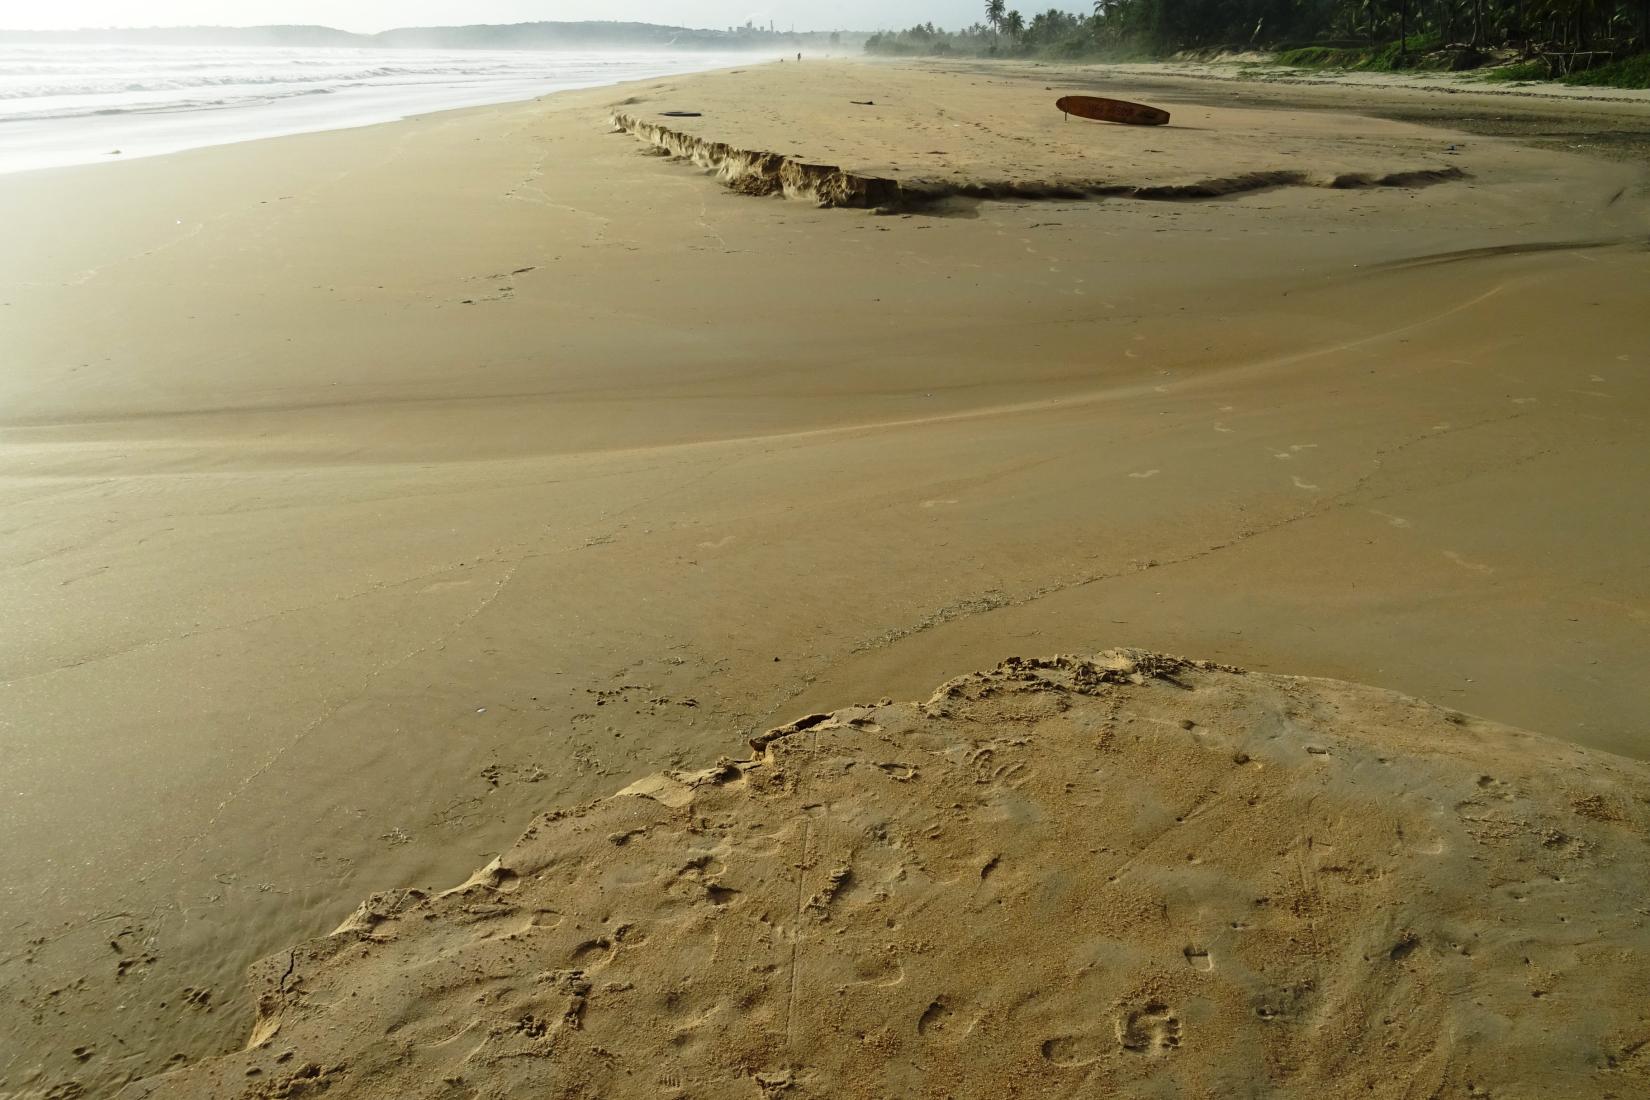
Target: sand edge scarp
{"points": [[760, 172]]}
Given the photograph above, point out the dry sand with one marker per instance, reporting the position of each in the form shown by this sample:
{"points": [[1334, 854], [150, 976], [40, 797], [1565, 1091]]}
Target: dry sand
{"points": [[1133, 876], [366, 493], [894, 137]]}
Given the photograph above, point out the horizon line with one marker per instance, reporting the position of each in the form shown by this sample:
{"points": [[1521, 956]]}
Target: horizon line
{"points": [[415, 27]]}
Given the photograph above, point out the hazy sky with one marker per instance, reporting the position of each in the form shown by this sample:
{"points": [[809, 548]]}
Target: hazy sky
{"points": [[374, 15]]}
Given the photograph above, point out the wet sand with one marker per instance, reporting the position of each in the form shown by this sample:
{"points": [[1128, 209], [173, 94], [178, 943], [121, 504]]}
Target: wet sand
{"points": [[367, 493]]}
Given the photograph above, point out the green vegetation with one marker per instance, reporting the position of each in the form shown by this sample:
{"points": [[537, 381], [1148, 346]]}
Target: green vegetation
{"points": [[1415, 52], [1629, 72], [1521, 71], [1579, 41], [1006, 33]]}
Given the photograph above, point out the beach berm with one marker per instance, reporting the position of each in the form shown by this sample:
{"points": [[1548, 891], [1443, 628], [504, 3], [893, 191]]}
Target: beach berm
{"points": [[1125, 875], [909, 137]]}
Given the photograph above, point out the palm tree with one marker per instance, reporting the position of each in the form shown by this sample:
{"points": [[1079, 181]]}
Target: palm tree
{"points": [[1014, 23], [994, 12]]}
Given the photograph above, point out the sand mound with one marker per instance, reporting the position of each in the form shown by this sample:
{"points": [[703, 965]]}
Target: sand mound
{"points": [[1130, 876], [886, 137]]}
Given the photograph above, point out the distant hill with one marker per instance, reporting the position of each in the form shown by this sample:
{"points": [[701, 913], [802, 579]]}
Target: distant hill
{"points": [[515, 36], [195, 36], [538, 36]]}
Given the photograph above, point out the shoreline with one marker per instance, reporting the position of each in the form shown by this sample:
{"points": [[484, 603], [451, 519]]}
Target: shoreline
{"points": [[1214, 71], [389, 485], [145, 134]]}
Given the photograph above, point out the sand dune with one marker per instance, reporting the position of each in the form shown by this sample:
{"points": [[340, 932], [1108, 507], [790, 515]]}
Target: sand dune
{"points": [[1133, 875]]}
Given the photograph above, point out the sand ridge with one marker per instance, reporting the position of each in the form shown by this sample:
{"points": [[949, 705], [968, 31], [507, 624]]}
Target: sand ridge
{"points": [[1129, 873], [912, 137]]}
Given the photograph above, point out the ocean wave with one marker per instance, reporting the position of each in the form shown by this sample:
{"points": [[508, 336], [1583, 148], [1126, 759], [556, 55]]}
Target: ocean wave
{"points": [[156, 107], [64, 105], [134, 83]]}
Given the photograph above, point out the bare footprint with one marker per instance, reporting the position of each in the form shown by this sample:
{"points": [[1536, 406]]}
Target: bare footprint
{"points": [[1150, 1029], [883, 973], [935, 1018], [1072, 1050], [940, 1021]]}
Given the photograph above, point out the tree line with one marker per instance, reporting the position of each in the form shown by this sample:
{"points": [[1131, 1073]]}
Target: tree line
{"points": [[1608, 28]]}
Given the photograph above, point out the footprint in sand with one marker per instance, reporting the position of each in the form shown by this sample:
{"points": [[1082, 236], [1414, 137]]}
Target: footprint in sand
{"points": [[1491, 787], [1222, 428], [940, 1021], [938, 503], [1144, 474], [884, 974], [1199, 959], [1072, 1050], [1396, 521], [1299, 484], [718, 544], [1150, 1029]]}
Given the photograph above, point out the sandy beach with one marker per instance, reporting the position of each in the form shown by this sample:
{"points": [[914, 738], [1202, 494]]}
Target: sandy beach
{"points": [[1133, 873], [367, 494]]}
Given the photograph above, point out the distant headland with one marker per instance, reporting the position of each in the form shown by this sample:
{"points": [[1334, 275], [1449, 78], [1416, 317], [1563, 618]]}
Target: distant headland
{"points": [[514, 36]]}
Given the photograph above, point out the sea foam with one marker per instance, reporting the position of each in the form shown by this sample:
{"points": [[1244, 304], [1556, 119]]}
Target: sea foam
{"points": [[71, 104]]}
